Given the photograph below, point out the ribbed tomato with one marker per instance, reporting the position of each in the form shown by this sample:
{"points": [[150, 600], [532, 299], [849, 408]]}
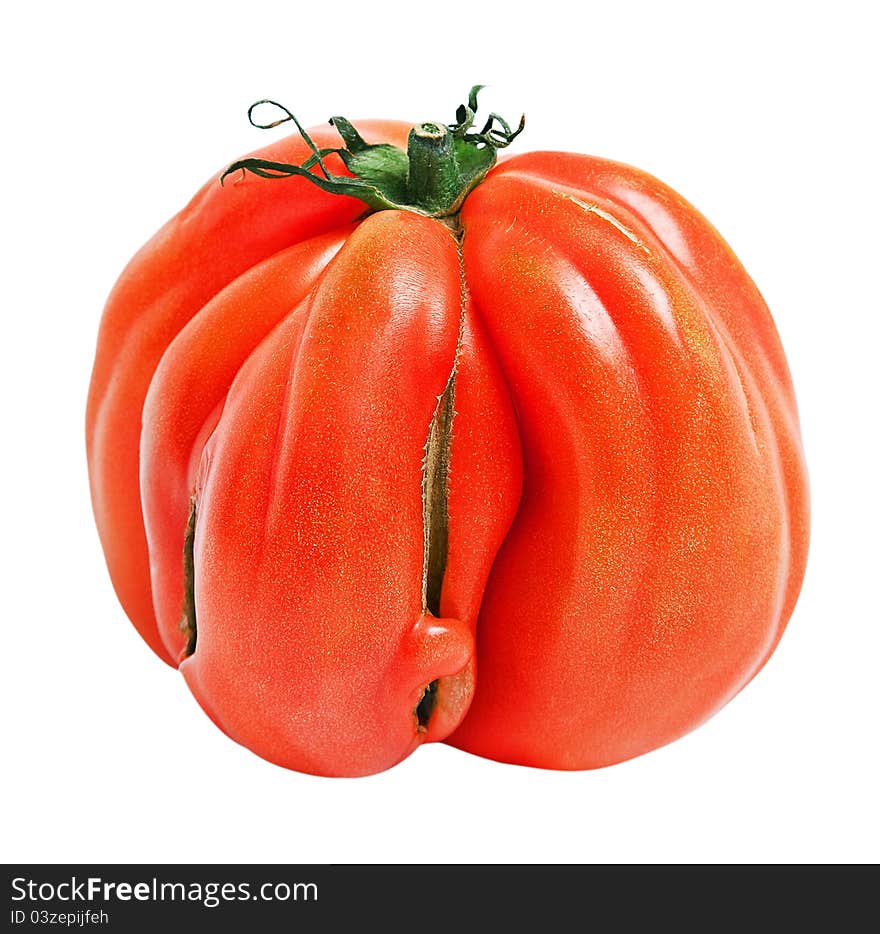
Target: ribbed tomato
{"points": [[538, 404]]}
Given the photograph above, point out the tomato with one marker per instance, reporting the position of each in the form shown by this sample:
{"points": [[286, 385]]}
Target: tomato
{"points": [[413, 446]]}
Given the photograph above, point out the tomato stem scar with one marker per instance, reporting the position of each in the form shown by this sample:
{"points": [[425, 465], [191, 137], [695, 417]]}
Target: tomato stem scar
{"points": [[188, 618]]}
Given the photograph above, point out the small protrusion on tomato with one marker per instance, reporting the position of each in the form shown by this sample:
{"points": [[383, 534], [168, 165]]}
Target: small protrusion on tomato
{"points": [[438, 667]]}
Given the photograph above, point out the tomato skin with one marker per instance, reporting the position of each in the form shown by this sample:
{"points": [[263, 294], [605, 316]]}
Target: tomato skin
{"points": [[186, 398], [219, 235], [661, 539], [627, 496], [310, 553]]}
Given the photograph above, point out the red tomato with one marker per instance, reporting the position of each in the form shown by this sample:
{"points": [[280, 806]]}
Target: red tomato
{"points": [[511, 458]]}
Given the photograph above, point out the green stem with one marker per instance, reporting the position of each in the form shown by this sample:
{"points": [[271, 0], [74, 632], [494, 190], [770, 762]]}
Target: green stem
{"points": [[440, 168], [434, 177]]}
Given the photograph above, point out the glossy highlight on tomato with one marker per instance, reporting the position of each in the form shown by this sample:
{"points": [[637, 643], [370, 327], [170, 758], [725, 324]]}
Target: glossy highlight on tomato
{"points": [[412, 444]]}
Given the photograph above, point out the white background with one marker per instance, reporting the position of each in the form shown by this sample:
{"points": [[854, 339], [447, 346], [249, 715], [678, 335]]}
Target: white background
{"points": [[763, 115]]}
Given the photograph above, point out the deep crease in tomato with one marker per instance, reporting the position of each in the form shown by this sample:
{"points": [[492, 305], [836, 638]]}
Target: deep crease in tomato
{"points": [[426, 705], [435, 491], [188, 618]]}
